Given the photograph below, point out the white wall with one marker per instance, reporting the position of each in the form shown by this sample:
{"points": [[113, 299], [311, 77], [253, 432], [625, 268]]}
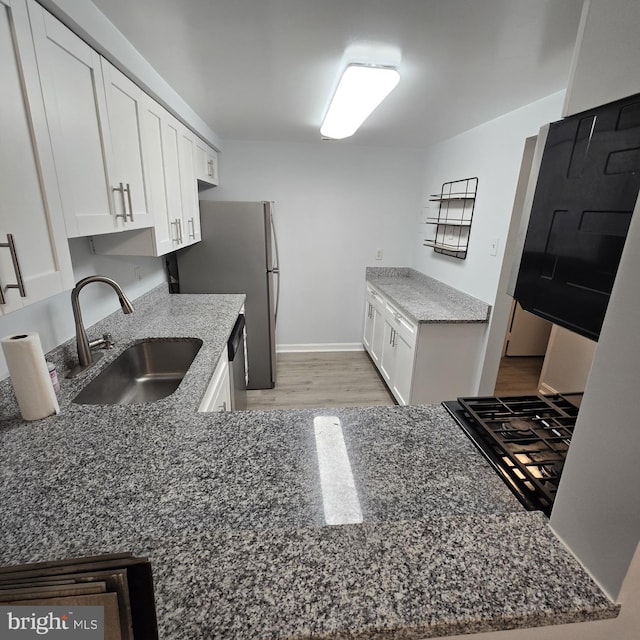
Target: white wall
{"points": [[335, 204], [53, 319], [492, 152]]}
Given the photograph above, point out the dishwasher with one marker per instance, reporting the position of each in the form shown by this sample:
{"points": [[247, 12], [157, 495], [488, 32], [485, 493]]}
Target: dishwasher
{"points": [[237, 371]]}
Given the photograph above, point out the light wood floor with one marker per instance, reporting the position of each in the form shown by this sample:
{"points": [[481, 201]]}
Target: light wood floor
{"points": [[349, 379], [518, 376], [323, 379]]}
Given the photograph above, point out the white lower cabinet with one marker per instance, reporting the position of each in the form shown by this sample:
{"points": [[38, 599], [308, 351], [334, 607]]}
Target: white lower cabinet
{"points": [[373, 339], [398, 350], [34, 254], [421, 362], [217, 397]]}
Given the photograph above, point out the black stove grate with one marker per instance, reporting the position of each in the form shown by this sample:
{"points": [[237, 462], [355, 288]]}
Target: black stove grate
{"points": [[526, 439]]}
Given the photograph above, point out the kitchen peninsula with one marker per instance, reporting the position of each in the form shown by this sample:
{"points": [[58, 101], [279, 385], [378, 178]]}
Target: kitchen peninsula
{"points": [[230, 510]]}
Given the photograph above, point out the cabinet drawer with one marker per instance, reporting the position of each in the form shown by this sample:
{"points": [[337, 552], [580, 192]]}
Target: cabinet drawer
{"points": [[405, 327]]}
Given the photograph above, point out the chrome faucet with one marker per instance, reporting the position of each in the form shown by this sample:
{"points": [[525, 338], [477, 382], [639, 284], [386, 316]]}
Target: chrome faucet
{"points": [[86, 358]]}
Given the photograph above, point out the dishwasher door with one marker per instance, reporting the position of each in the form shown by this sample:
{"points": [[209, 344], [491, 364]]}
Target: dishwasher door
{"points": [[237, 374]]}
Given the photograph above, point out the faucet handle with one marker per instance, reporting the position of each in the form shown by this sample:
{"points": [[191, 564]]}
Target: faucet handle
{"points": [[106, 342]]}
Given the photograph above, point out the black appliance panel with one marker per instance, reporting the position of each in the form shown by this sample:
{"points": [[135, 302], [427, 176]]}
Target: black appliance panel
{"points": [[584, 198]]}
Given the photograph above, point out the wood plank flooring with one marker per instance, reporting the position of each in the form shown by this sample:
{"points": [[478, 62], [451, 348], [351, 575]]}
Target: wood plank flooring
{"points": [[323, 379], [313, 380], [518, 376]]}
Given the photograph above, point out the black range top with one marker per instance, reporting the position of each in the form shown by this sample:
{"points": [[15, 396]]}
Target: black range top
{"points": [[525, 438]]}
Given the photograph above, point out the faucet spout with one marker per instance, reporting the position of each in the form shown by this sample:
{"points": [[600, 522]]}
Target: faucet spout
{"points": [[85, 357]]}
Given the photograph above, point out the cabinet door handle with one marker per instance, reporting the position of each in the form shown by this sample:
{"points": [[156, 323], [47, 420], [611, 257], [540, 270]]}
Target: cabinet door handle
{"points": [[176, 238], [11, 245], [191, 221], [128, 190], [210, 168], [179, 230], [222, 407], [122, 215]]}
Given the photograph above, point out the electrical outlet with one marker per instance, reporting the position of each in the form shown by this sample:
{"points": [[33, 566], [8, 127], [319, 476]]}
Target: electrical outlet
{"points": [[378, 254]]}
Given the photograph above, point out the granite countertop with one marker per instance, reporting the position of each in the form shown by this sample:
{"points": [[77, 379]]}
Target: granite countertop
{"points": [[230, 508], [425, 299]]}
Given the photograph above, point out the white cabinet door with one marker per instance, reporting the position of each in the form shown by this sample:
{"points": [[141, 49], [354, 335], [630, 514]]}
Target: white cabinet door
{"points": [[367, 334], [30, 214], [73, 92], [128, 181], [206, 163], [160, 147], [190, 208], [388, 355], [217, 397], [403, 369], [171, 138], [377, 340]]}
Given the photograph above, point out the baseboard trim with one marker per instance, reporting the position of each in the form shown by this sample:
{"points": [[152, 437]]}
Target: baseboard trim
{"points": [[330, 346]]}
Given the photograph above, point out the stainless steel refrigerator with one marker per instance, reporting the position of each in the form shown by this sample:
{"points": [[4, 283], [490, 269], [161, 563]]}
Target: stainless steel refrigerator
{"points": [[238, 253]]}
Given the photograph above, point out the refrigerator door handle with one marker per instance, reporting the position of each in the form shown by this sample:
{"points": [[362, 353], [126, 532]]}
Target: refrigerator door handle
{"points": [[276, 266]]}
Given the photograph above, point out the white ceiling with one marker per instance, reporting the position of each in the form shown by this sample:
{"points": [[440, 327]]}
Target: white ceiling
{"points": [[266, 69]]}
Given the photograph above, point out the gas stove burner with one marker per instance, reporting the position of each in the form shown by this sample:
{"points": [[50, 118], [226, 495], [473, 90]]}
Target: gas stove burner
{"points": [[525, 438], [519, 424]]}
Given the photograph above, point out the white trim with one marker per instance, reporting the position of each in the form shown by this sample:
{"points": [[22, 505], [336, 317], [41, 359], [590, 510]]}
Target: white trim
{"points": [[545, 389], [329, 346]]}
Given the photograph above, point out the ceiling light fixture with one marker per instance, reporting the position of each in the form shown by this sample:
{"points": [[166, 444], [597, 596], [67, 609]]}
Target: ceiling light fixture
{"points": [[360, 90]]}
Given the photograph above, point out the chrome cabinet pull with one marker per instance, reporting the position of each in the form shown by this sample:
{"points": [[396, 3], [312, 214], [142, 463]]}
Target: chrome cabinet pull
{"points": [[193, 227], [176, 238], [11, 245], [128, 190], [210, 165], [179, 230], [122, 215]]}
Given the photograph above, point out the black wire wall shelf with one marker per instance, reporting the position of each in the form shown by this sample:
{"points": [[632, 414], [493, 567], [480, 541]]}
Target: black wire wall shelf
{"points": [[456, 203]]}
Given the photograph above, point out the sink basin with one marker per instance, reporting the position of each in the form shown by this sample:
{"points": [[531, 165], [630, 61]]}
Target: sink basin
{"points": [[144, 372]]}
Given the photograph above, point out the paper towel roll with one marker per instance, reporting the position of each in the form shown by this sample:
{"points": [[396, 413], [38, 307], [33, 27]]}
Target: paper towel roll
{"points": [[30, 376]]}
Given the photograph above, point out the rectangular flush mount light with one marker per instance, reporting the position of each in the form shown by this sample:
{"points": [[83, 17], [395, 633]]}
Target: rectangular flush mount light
{"points": [[360, 90]]}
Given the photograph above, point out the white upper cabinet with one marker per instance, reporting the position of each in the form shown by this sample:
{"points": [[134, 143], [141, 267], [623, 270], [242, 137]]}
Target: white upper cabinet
{"points": [[160, 155], [73, 92], [93, 113], [124, 106], [171, 187], [190, 206], [34, 254], [206, 164]]}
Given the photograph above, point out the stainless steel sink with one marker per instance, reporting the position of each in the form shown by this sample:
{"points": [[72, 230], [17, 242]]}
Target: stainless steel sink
{"points": [[144, 372]]}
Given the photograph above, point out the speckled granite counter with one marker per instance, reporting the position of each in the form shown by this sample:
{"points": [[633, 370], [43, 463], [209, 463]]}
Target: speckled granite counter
{"points": [[426, 299], [230, 510]]}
